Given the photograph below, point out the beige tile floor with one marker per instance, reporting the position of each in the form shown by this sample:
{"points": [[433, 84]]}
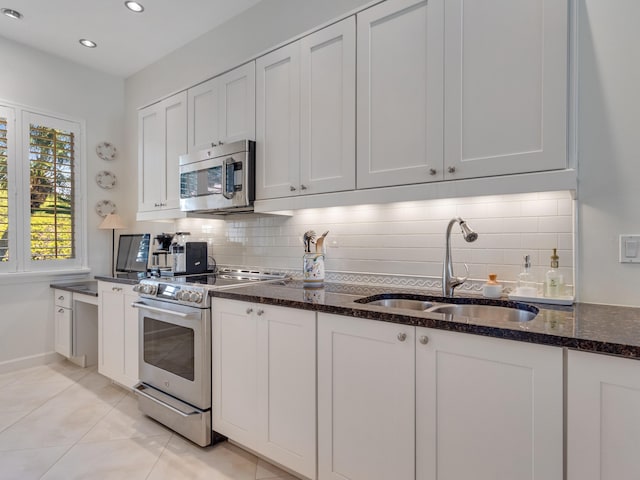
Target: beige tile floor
{"points": [[63, 422]]}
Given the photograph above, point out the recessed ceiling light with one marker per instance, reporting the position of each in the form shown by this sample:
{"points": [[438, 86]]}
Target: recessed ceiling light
{"points": [[11, 13], [87, 43], [134, 6]]}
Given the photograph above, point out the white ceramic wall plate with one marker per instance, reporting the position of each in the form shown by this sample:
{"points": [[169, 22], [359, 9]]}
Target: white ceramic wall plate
{"points": [[105, 207], [105, 179], [106, 151]]}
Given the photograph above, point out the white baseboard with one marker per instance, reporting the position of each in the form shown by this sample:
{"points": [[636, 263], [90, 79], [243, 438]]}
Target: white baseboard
{"points": [[31, 361]]}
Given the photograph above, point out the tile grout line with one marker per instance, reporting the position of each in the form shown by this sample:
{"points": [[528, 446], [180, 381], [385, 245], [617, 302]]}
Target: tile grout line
{"points": [[160, 455]]}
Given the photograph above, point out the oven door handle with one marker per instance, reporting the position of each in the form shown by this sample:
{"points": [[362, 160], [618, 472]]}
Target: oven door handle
{"points": [[139, 390], [144, 306]]}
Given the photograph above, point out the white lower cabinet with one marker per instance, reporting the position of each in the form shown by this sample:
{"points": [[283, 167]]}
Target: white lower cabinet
{"points": [[402, 402], [487, 409], [366, 399], [264, 381], [118, 333], [603, 425]]}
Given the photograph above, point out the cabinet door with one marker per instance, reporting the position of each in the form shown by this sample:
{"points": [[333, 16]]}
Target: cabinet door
{"points": [[603, 417], [400, 91], [63, 331], [366, 399], [131, 340], [506, 86], [237, 104], [175, 110], [111, 330], [162, 138], [151, 173], [278, 123], [202, 124], [487, 409], [235, 371], [328, 117], [287, 387]]}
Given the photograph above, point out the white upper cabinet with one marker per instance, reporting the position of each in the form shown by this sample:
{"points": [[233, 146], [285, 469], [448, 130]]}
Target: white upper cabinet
{"points": [[400, 92], [162, 138], [305, 122], [278, 122], [328, 109], [222, 110], [505, 87]]}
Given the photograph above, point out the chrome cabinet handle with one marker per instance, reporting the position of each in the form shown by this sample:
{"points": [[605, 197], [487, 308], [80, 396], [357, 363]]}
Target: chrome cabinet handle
{"points": [[432, 171], [61, 310], [451, 169], [116, 289], [292, 188], [249, 311], [61, 297], [303, 187], [220, 143], [259, 312], [402, 337], [423, 339]]}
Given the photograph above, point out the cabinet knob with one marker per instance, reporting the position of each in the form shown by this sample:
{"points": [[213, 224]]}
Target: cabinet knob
{"points": [[432, 171], [220, 143], [214, 144], [61, 297], [61, 310], [423, 339], [303, 187], [259, 312], [402, 337], [451, 169], [292, 188], [249, 311]]}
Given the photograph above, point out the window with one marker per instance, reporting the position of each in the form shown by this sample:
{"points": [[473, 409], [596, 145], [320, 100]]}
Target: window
{"points": [[40, 220]]}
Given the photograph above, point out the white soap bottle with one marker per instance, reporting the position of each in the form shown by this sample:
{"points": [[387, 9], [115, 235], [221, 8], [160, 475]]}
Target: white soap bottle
{"points": [[527, 286], [553, 280]]}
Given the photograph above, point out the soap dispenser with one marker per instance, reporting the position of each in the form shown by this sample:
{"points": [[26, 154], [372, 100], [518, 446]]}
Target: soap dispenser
{"points": [[527, 286], [492, 289], [553, 280]]}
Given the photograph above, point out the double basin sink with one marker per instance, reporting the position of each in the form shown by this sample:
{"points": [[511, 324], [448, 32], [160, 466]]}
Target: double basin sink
{"points": [[481, 309]]}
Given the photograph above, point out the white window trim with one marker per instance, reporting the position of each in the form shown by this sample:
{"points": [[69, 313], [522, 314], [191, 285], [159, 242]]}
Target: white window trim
{"points": [[20, 263]]}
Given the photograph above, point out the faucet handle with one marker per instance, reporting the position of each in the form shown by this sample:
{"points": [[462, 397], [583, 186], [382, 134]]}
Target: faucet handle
{"points": [[461, 280]]}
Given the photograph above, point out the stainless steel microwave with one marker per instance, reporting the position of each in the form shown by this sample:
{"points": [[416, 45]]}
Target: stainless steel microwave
{"points": [[220, 179]]}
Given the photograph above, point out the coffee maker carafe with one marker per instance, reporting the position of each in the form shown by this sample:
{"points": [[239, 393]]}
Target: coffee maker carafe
{"points": [[178, 253]]}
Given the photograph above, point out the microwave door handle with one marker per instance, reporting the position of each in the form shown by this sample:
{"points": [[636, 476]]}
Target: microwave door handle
{"points": [[144, 306], [226, 193]]}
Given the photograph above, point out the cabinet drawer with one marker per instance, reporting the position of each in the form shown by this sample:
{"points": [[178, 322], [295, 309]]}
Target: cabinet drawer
{"points": [[63, 298]]}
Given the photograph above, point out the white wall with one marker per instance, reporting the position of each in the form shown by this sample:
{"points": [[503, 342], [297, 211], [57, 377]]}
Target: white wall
{"points": [[35, 79], [608, 153]]}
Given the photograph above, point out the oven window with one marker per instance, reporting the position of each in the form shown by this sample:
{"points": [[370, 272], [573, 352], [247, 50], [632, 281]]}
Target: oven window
{"points": [[169, 347]]}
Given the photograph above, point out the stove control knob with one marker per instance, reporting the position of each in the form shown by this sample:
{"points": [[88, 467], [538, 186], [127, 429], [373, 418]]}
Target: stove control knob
{"points": [[195, 297], [137, 288], [183, 295]]}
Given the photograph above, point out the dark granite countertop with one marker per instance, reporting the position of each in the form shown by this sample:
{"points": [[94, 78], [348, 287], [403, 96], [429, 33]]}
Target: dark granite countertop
{"points": [[588, 327], [125, 281], [87, 287]]}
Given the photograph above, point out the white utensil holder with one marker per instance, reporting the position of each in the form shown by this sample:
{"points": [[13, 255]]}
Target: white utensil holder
{"points": [[313, 269]]}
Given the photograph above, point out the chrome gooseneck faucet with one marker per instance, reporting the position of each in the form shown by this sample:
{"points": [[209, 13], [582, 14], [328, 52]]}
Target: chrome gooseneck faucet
{"points": [[449, 281]]}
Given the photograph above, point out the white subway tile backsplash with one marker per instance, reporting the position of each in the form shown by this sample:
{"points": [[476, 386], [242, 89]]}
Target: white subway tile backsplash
{"points": [[405, 238]]}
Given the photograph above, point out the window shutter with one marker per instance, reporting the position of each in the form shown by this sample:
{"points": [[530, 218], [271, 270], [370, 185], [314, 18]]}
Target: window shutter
{"points": [[4, 192], [51, 181]]}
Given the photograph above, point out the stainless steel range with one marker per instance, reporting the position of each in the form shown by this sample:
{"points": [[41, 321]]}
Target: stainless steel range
{"points": [[175, 348]]}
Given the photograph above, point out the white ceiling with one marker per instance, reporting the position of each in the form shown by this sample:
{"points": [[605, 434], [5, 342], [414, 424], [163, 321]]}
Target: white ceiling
{"points": [[127, 41]]}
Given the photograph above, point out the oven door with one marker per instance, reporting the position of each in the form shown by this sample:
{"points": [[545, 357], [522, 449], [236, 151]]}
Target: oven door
{"points": [[175, 350]]}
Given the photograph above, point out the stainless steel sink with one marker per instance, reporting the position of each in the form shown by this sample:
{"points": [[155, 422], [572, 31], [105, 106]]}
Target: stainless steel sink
{"points": [[485, 312], [405, 303]]}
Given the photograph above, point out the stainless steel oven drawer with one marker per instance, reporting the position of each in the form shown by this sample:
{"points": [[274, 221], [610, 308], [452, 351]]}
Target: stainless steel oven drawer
{"points": [[188, 421]]}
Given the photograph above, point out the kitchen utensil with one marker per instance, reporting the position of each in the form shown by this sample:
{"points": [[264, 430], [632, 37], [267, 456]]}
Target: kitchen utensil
{"points": [[309, 237], [320, 242]]}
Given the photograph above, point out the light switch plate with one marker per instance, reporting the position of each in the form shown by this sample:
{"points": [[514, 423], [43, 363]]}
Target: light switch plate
{"points": [[629, 248]]}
